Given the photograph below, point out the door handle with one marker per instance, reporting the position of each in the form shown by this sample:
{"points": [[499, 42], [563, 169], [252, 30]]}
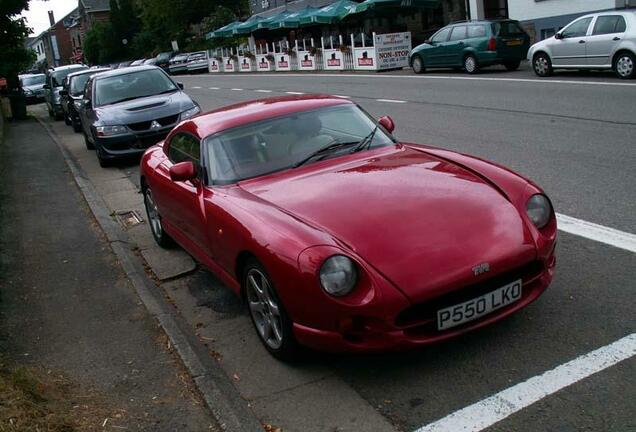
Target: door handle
{"points": [[581, 41], [616, 38]]}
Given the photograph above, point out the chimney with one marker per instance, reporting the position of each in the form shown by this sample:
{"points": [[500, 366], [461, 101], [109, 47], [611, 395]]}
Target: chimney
{"points": [[51, 18]]}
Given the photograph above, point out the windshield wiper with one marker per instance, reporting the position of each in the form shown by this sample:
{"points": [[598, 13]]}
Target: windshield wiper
{"points": [[366, 141], [323, 152]]}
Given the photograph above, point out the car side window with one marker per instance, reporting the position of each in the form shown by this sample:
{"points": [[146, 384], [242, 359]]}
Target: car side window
{"points": [[608, 24], [475, 31], [88, 91], [458, 33], [577, 28], [184, 147], [442, 35]]}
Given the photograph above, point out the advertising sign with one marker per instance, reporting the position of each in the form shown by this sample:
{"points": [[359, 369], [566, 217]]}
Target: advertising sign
{"points": [[263, 64], [306, 61], [245, 64], [393, 50], [334, 59], [228, 65], [282, 62], [364, 58], [213, 65]]}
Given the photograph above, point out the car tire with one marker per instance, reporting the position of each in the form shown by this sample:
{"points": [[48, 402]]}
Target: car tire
{"points": [[89, 145], [104, 162], [154, 220], [67, 120], [51, 113], [625, 65], [269, 317], [77, 127], [542, 65], [418, 65], [512, 66], [471, 66]]}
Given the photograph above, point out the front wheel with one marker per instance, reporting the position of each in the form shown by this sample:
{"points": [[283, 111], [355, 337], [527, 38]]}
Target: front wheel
{"points": [[77, 126], [512, 66], [154, 220], [470, 64], [625, 65], [272, 324], [418, 65], [89, 145], [542, 65], [67, 120]]}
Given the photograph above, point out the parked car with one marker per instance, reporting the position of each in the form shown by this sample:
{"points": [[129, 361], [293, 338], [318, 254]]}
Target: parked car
{"points": [[197, 62], [473, 45], [124, 64], [138, 62], [54, 81], [33, 87], [163, 59], [604, 40], [72, 95], [338, 236], [151, 61], [125, 111], [178, 64]]}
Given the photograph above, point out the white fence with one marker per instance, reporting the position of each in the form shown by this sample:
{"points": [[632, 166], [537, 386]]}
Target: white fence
{"points": [[362, 52]]}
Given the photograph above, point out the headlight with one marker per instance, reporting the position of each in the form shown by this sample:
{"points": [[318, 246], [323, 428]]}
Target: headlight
{"points": [[111, 130], [338, 275], [190, 113], [28, 92], [539, 210]]}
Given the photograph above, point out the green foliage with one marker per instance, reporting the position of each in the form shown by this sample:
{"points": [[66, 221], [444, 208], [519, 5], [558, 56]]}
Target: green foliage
{"points": [[101, 45], [13, 32]]}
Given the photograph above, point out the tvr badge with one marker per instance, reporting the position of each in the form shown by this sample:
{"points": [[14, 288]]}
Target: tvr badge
{"points": [[481, 269]]}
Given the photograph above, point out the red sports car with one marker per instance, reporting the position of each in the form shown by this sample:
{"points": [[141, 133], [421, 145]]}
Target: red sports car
{"points": [[339, 237]]}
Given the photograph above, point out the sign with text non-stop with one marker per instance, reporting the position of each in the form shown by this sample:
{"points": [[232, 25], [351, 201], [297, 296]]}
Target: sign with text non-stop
{"points": [[392, 50]]}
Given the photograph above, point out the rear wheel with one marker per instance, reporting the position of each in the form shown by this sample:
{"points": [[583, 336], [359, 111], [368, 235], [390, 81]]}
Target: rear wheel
{"points": [[470, 64], [512, 66], [271, 321], [625, 65], [154, 220], [418, 65], [542, 65]]}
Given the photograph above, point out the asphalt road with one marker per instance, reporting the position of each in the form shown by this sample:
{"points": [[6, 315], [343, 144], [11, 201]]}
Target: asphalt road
{"points": [[574, 135]]}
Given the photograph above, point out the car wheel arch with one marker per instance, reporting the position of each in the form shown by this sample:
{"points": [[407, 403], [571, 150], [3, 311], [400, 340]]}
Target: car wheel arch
{"points": [[618, 53], [242, 258]]}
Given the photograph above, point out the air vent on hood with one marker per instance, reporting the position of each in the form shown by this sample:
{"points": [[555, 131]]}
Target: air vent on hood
{"points": [[143, 107]]}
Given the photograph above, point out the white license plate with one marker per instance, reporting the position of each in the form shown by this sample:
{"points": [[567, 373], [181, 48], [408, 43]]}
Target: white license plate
{"points": [[479, 306], [514, 42]]}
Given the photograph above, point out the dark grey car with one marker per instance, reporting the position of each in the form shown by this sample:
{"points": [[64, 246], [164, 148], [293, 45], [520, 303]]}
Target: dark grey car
{"points": [[54, 81], [33, 87], [126, 111]]}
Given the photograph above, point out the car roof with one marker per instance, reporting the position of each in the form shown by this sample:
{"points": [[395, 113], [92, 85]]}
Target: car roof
{"points": [[482, 21], [124, 71], [244, 113], [87, 71], [73, 66]]}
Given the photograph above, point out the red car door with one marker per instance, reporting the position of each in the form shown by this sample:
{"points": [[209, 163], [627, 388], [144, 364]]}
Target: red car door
{"points": [[181, 202]]}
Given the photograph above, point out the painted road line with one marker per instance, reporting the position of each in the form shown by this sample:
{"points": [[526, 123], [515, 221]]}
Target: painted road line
{"points": [[237, 89], [195, 87], [342, 96], [295, 93], [214, 88], [487, 412], [599, 233], [263, 91], [391, 101], [449, 77]]}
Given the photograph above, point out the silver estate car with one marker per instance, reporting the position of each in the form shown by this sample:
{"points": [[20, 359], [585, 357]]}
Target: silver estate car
{"points": [[604, 40]]}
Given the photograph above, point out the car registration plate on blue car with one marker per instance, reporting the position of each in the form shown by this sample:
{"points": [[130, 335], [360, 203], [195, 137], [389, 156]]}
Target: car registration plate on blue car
{"points": [[479, 306]]}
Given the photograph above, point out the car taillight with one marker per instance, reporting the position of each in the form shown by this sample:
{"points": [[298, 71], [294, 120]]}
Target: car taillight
{"points": [[492, 44]]}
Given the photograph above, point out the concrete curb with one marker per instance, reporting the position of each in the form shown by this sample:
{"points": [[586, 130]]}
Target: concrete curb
{"points": [[224, 401]]}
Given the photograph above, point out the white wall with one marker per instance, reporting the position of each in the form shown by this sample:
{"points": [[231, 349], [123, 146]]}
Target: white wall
{"points": [[524, 10]]}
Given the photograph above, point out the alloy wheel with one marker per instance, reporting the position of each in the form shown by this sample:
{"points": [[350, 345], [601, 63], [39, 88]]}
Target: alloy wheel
{"points": [[470, 64], [153, 215], [625, 66], [264, 309], [418, 66], [541, 66]]}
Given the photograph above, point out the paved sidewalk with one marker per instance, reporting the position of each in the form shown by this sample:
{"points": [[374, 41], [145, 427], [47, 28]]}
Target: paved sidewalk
{"points": [[65, 304]]}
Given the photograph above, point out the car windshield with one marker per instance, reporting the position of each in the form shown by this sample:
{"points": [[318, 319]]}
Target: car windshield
{"points": [[78, 83], [134, 85], [33, 80], [58, 76], [281, 143], [180, 57], [508, 28]]}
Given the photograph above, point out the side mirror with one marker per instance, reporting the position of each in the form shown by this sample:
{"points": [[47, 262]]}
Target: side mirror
{"points": [[87, 103], [558, 36], [387, 123], [180, 85], [46, 87], [183, 171], [430, 42], [63, 92]]}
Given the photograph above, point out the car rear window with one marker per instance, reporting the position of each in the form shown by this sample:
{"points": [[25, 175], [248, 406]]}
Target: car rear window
{"points": [[508, 28], [58, 76], [609, 24], [475, 31]]}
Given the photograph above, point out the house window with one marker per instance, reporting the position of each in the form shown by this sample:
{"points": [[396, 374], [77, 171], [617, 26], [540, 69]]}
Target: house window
{"points": [[547, 33]]}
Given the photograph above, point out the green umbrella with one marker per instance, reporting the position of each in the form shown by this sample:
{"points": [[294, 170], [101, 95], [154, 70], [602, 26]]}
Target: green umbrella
{"points": [[225, 31], [371, 4], [290, 19], [330, 14], [248, 26]]}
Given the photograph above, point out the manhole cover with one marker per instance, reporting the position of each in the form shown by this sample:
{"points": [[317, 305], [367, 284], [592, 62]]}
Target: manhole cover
{"points": [[129, 218]]}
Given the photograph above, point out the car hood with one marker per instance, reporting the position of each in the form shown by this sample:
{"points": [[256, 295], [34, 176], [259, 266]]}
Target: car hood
{"points": [[144, 109], [34, 87], [422, 222]]}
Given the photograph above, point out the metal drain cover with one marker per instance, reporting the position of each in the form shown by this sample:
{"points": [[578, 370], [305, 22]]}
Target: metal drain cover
{"points": [[129, 218]]}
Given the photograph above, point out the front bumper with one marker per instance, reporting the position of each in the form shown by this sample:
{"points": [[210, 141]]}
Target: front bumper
{"points": [[129, 144], [370, 334]]}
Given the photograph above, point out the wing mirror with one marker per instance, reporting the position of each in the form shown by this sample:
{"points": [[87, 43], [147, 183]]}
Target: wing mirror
{"points": [[558, 36], [430, 42], [387, 123], [180, 85], [183, 171], [87, 103]]}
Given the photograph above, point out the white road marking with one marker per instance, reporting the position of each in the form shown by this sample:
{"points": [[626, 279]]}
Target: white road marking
{"points": [[599, 233], [195, 87], [341, 96], [295, 93], [391, 101], [214, 88], [449, 77], [263, 91], [236, 89], [487, 412]]}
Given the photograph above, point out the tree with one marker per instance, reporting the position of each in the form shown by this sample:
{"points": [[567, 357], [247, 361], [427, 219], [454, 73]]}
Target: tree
{"points": [[101, 44], [13, 32]]}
